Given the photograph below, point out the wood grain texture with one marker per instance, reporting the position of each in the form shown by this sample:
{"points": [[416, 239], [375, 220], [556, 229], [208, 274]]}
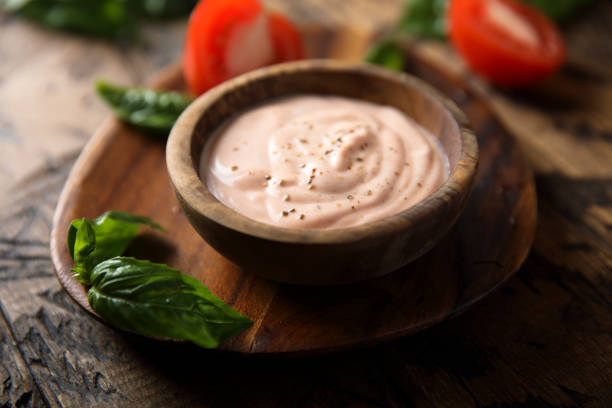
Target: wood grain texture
{"points": [[17, 387], [121, 166], [542, 340]]}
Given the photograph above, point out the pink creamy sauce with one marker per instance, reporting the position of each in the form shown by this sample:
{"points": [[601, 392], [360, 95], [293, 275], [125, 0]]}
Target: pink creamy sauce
{"points": [[322, 162]]}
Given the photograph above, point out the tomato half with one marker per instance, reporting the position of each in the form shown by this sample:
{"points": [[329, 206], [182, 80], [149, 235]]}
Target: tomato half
{"points": [[226, 38], [508, 42]]}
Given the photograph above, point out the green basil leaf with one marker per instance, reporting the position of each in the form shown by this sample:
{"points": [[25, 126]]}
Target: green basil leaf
{"points": [[155, 300], [146, 108], [559, 10], [127, 218], [425, 18], [93, 241], [102, 18], [84, 244], [387, 54], [165, 8]]}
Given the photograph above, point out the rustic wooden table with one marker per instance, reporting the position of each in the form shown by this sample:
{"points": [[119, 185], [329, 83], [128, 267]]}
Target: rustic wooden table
{"points": [[543, 339]]}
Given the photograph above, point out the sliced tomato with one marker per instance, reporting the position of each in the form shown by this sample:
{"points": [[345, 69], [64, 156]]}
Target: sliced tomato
{"points": [[508, 42], [226, 38]]}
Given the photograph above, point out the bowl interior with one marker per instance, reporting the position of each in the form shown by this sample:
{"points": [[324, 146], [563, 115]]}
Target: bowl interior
{"points": [[378, 85], [410, 97]]}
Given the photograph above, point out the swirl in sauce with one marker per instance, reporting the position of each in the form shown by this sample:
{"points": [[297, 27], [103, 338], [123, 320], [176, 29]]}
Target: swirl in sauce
{"points": [[322, 162]]}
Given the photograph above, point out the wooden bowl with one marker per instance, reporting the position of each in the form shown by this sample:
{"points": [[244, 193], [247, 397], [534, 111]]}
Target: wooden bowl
{"points": [[320, 257]]}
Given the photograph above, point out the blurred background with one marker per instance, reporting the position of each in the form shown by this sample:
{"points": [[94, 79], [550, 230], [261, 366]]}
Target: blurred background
{"points": [[48, 108]]}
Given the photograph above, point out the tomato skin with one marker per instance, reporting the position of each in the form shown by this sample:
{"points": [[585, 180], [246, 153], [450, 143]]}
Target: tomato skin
{"points": [[495, 54], [208, 33], [206, 39]]}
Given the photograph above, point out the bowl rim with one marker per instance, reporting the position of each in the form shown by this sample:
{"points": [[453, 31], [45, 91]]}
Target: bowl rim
{"points": [[193, 193]]}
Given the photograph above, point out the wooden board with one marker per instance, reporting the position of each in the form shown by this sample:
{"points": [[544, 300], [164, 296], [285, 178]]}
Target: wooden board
{"points": [[124, 169]]}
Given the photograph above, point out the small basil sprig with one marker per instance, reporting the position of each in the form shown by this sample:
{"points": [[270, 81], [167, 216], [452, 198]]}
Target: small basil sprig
{"points": [[93, 241], [140, 296], [146, 108]]}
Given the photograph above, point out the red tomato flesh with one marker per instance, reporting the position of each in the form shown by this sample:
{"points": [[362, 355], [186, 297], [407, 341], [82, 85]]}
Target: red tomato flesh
{"points": [[508, 42], [228, 37]]}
